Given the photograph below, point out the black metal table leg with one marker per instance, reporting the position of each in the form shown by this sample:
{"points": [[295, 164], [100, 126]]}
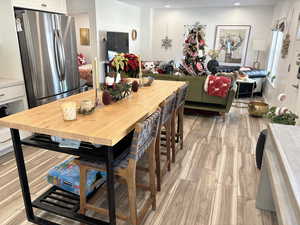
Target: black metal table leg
{"points": [[110, 185], [57, 210], [22, 173]]}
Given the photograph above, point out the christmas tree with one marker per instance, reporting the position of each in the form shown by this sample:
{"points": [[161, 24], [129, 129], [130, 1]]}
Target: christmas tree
{"points": [[194, 51]]}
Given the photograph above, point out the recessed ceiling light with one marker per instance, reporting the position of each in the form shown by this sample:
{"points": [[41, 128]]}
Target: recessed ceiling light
{"points": [[167, 6], [237, 3]]}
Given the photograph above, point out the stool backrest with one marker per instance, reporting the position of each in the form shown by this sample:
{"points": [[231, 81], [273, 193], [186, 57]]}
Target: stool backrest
{"points": [[167, 108], [144, 135], [181, 95]]}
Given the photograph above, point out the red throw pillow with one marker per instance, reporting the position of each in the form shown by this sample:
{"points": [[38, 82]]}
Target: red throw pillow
{"points": [[218, 86]]}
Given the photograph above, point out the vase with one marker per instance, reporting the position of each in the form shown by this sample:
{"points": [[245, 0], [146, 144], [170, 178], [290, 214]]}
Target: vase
{"points": [[118, 78], [212, 66]]}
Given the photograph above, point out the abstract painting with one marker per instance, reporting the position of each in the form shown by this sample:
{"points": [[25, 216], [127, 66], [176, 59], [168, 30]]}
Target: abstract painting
{"points": [[232, 42]]}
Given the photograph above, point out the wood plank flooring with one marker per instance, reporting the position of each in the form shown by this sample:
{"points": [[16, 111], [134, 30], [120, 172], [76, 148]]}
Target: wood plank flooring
{"points": [[213, 182]]}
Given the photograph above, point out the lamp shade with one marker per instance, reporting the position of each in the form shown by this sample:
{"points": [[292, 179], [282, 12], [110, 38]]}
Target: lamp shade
{"points": [[259, 45]]}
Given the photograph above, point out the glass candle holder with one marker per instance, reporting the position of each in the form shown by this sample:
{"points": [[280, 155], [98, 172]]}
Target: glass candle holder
{"points": [[69, 111], [86, 105]]}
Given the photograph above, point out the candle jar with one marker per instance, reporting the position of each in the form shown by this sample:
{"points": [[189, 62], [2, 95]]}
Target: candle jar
{"points": [[69, 111], [86, 106]]}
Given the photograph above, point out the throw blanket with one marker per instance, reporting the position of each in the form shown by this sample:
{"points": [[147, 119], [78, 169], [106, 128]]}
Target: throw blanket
{"points": [[217, 86]]}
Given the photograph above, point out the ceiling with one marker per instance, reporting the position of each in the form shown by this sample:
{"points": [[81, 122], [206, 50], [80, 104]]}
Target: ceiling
{"points": [[197, 3]]}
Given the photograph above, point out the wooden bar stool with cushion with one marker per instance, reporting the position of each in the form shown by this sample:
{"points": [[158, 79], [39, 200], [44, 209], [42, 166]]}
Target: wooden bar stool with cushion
{"points": [[167, 109], [178, 113], [144, 138]]}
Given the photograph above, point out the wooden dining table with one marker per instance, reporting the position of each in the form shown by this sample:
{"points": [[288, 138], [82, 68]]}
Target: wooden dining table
{"points": [[106, 126]]}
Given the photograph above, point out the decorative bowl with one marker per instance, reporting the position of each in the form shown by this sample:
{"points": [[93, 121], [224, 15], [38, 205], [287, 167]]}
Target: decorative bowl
{"points": [[258, 109]]}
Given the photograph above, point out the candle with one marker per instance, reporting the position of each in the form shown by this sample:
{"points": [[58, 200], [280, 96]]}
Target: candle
{"points": [[96, 83], [97, 74], [69, 111], [94, 74], [86, 105], [140, 66], [140, 73]]}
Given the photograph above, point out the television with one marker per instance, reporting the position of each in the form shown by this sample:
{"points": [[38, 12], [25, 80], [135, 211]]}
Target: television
{"points": [[117, 42]]}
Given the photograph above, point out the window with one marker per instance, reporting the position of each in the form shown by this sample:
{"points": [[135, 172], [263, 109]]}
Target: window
{"points": [[274, 56]]}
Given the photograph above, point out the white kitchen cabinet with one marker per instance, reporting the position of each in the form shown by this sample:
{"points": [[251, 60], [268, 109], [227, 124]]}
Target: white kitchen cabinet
{"points": [[57, 6], [12, 96]]}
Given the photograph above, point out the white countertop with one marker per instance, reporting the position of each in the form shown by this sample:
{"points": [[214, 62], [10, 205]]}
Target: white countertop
{"points": [[4, 82]]}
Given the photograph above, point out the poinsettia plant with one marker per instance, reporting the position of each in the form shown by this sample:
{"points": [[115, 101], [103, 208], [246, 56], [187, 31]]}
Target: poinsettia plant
{"points": [[128, 63], [132, 65]]}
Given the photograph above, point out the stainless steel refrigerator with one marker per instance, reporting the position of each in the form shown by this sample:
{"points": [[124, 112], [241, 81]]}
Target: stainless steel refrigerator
{"points": [[49, 55]]}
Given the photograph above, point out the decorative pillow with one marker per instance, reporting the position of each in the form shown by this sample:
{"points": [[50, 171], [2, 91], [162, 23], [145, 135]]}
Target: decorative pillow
{"points": [[217, 86], [149, 67]]}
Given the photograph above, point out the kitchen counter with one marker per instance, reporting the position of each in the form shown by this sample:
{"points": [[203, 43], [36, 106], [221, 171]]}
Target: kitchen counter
{"points": [[5, 82], [106, 126], [279, 188]]}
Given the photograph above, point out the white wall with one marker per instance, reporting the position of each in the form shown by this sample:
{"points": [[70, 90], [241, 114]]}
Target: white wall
{"points": [[108, 15], [10, 59], [259, 18], [86, 7], [112, 15], [83, 21], [116, 16], [146, 33], [286, 79]]}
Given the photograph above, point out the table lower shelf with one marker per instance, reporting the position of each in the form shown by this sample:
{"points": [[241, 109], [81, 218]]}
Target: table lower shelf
{"points": [[65, 204]]}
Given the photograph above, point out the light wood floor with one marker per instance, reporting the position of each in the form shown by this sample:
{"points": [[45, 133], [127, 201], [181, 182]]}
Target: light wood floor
{"points": [[213, 182]]}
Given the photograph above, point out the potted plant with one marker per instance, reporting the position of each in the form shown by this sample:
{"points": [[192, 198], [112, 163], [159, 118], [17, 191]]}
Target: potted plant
{"points": [[118, 63], [128, 63], [282, 115], [132, 65]]}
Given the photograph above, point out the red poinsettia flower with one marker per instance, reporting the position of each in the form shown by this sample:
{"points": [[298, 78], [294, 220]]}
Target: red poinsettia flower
{"points": [[202, 42], [132, 63]]}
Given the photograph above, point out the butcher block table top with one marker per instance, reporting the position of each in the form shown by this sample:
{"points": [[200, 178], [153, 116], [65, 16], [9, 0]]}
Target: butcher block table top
{"points": [[106, 126]]}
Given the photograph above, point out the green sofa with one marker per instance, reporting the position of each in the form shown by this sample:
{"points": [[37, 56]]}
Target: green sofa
{"points": [[197, 98]]}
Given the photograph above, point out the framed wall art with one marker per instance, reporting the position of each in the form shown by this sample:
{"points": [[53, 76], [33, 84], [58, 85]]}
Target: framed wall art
{"points": [[232, 42], [84, 36]]}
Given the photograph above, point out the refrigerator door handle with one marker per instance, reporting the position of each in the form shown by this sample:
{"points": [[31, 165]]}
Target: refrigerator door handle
{"points": [[56, 54], [62, 56], [59, 55]]}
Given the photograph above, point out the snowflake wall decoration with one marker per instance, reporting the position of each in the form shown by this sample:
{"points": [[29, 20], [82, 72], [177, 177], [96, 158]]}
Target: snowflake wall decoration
{"points": [[166, 43]]}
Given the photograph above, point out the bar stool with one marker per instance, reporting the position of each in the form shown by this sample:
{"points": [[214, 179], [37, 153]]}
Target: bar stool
{"points": [[167, 110], [144, 138], [177, 136]]}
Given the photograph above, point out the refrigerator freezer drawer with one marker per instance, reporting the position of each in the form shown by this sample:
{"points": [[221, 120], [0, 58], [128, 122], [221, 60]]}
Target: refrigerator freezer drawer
{"points": [[11, 93]]}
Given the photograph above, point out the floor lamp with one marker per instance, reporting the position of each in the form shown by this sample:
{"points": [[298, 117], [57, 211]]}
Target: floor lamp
{"points": [[259, 46]]}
